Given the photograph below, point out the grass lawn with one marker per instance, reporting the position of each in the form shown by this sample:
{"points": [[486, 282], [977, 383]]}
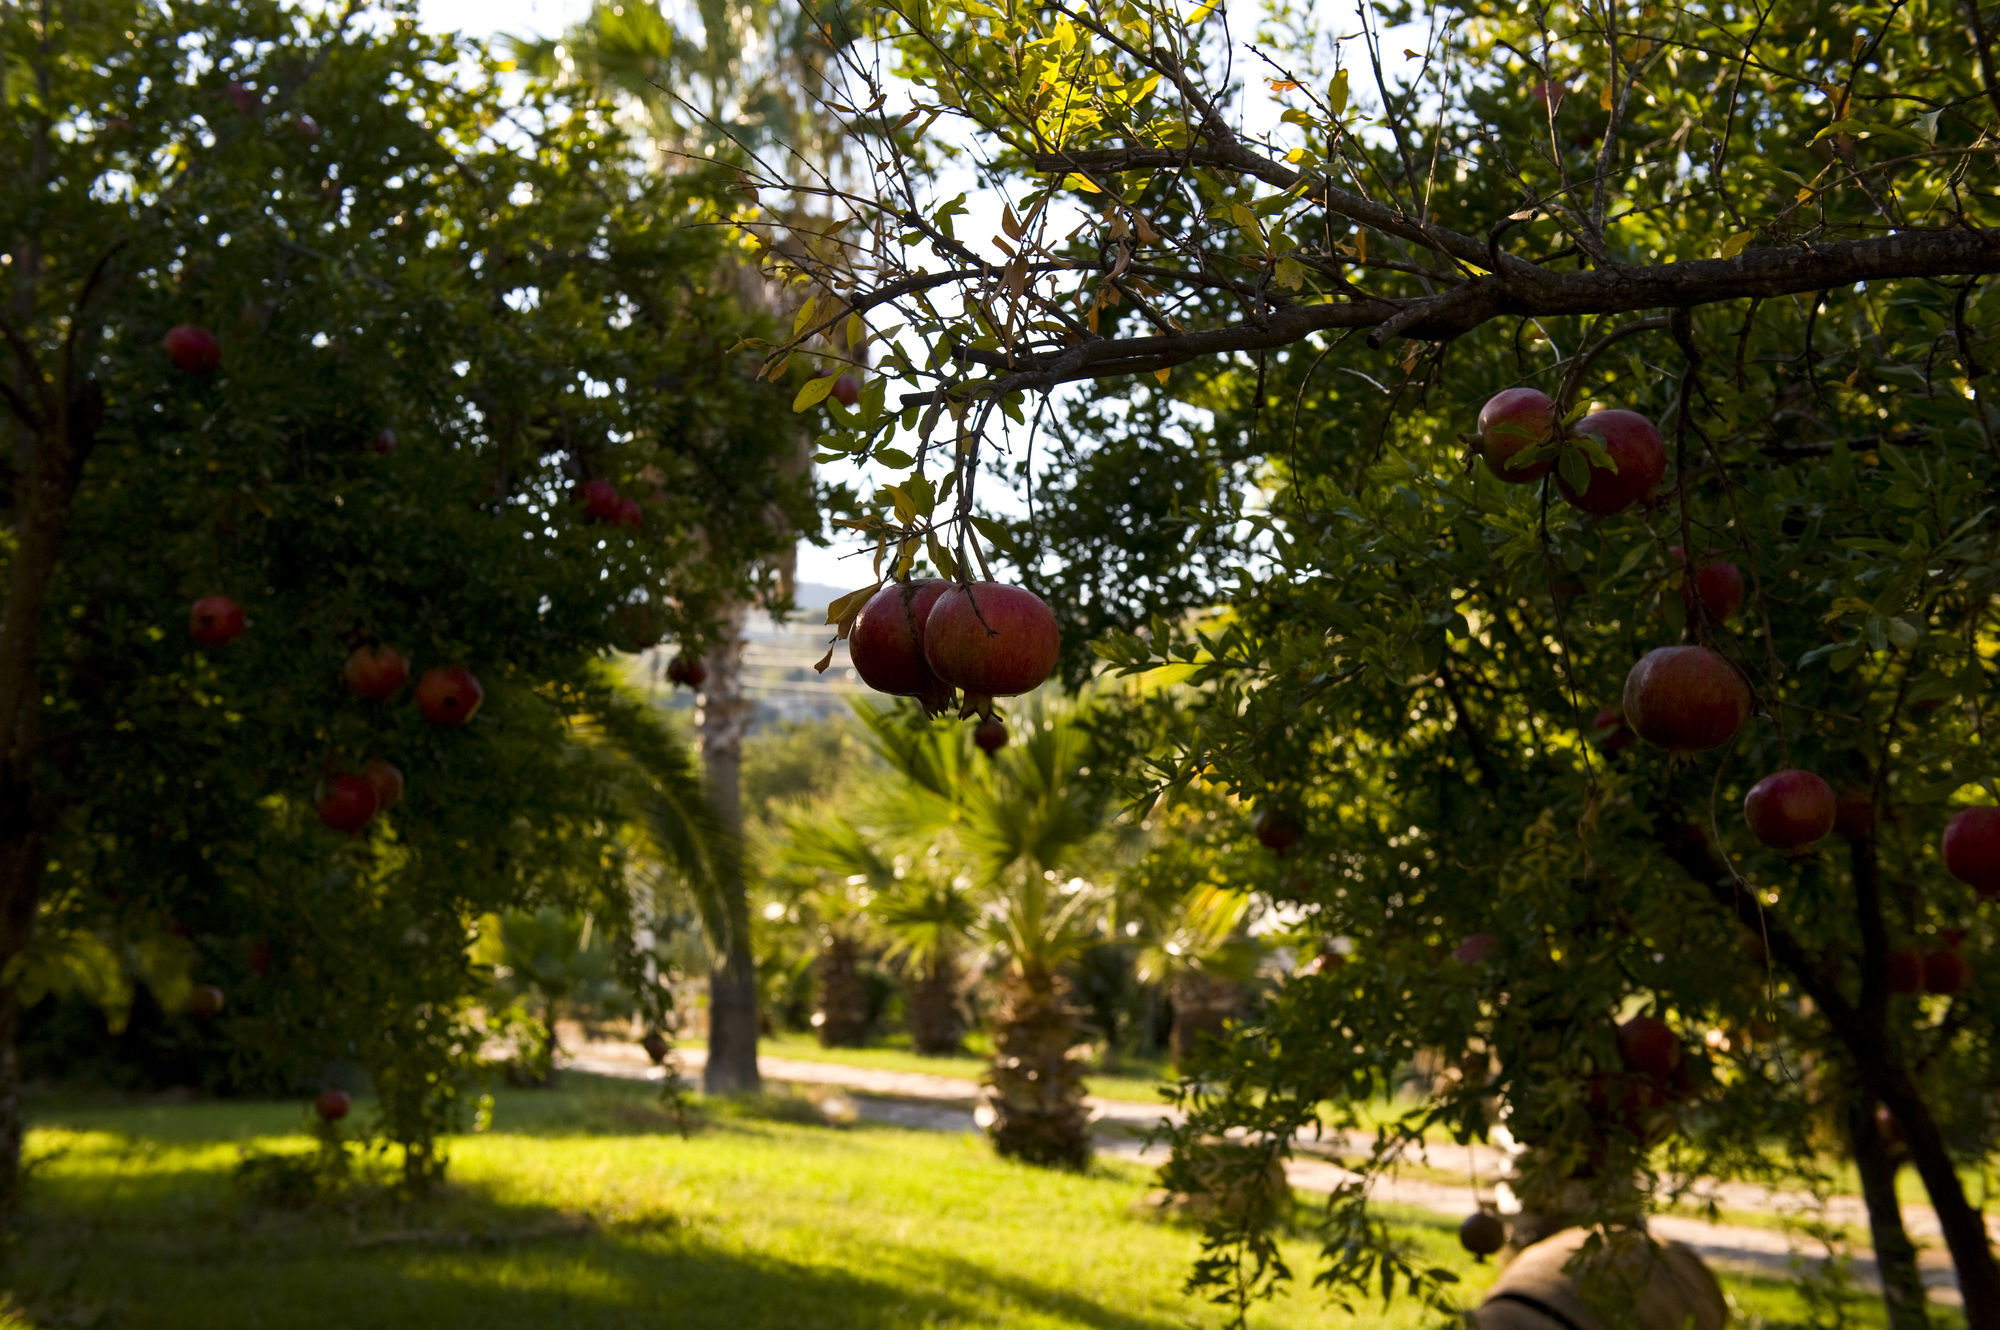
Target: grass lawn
{"points": [[579, 1209]]}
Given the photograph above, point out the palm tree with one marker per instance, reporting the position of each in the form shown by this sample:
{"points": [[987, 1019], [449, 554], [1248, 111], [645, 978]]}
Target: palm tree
{"points": [[835, 872], [929, 919], [1196, 947]]}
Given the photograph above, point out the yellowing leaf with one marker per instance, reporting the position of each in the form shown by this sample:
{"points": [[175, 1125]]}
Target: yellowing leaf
{"points": [[813, 393], [804, 316], [1604, 98], [856, 331], [1336, 93], [1361, 245], [1282, 85], [1735, 244], [1208, 7], [1291, 274], [1805, 192], [1161, 374], [841, 607], [1074, 180]]}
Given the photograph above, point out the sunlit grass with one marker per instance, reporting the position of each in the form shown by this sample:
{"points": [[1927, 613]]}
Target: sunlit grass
{"points": [[582, 1208]]}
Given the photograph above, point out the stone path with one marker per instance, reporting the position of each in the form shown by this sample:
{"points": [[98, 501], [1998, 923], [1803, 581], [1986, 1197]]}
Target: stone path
{"points": [[931, 1102]]}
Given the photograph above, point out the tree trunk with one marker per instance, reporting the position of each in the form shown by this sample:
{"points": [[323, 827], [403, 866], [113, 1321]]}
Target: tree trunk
{"points": [[50, 463], [732, 982], [842, 1018], [1035, 1088], [936, 1025], [1203, 1007], [1895, 1255]]}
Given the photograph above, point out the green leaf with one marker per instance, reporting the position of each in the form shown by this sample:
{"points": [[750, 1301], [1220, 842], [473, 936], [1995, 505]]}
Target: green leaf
{"points": [[894, 458], [813, 393]]}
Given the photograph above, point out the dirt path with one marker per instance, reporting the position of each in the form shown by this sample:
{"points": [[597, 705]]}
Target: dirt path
{"points": [[945, 1103]]}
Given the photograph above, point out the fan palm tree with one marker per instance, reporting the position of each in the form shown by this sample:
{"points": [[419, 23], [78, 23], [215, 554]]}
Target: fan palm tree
{"points": [[1197, 949], [930, 919], [835, 872]]}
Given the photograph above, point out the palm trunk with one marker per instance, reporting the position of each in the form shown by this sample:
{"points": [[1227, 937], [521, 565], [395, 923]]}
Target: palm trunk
{"points": [[936, 1027], [843, 998], [1895, 1255], [1035, 1088], [1203, 1006], [732, 984]]}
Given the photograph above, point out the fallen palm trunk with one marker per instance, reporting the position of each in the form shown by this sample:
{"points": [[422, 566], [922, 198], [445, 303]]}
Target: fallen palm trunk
{"points": [[1624, 1281]]}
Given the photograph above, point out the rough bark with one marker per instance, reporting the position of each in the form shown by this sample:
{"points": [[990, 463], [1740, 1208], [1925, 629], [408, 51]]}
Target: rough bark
{"points": [[843, 997], [937, 1026], [1203, 1006], [1035, 1088], [732, 982], [1895, 1255]]}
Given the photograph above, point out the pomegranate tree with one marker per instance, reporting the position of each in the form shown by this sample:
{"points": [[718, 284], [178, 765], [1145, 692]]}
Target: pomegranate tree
{"points": [[449, 695], [1789, 810], [1685, 699], [1510, 423], [990, 641], [1971, 848], [886, 644], [1637, 454]]}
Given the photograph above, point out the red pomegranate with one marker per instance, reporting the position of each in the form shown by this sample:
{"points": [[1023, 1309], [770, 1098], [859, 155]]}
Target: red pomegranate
{"points": [[1905, 971], [1483, 1233], [1854, 813], [1648, 1046], [629, 514], [1613, 734], [193, 349], [332, 1105], [1789, 810], [1972, 849], [1631, 1102], [1635, 449], [1685, 699], [1276, 829], [1945, 971], [687, 671], [376, 672], [1717, 584], [215, 620], [384, 442], [386, 779], [449, 695], [637, 626], [656, 1046], [1510, 422], [1324, 962], [1547, 92], [991, 641], [887, 643], [600, 500], [991, 736], [1476, 950], [846, 390], [347, 805], [204, 1002]]}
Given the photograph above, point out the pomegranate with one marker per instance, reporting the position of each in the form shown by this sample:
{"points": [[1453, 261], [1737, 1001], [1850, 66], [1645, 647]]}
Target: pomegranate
{"points": [[1854, 813], [1905, 971], [1789, 810], [1324, 962], [1613, 734], [1945, 971], [990, 640], [1648, 1046], [261, 958], [347, 805], [384, 442], [1972, 849], [991, 736], [688, 671], [1511, 422], [386, 780], [192, 348], [629, 514], [1635, 449], [215, 620], [1632, 1103], [637, 626], [1276, 829], [887, 644], [1717, 584], [1482, 1233], [332, 1105], [204, 1002], [656, 1046], [1476, 950], [1685, 699], [600, 500], [449, 695], [846, 390], [376, 672], [1547, 93], [242, 98]]}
